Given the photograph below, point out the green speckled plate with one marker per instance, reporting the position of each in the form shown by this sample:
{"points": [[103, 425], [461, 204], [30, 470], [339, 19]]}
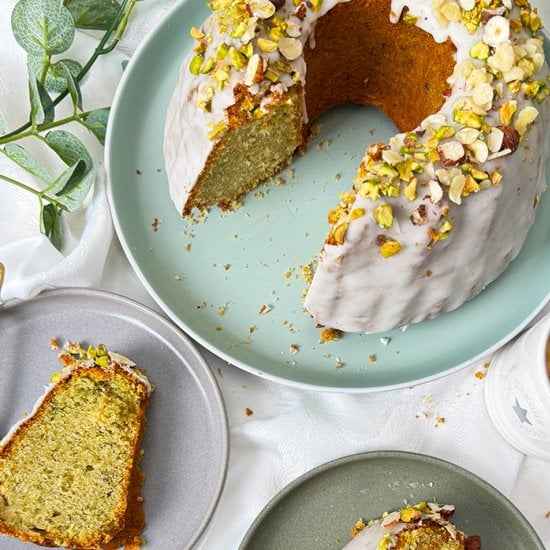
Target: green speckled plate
{"points": [[319, 509], [239, 262]]}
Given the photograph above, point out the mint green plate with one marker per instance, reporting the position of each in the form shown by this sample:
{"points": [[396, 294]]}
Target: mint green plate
{"points": [[319, 509], [244, 260]]}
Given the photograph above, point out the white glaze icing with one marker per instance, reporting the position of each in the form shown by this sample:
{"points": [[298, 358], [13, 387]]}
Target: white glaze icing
{"points": [[354, 288]]}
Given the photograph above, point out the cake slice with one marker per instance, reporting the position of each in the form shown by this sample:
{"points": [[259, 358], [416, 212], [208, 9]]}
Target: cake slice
{"points": [[69, 473], [423, 526]]}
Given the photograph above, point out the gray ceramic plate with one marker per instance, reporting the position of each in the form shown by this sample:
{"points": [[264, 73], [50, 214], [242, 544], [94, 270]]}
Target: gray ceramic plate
{"points": [[319, 509], [186, 442]]}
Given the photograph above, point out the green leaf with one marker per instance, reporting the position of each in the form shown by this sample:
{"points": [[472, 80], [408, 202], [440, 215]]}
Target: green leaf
{"points": [[55, 77], [27, 161], [42, 26], [42, 107], [74, 195], [52, 224], [68, 179], [96, 121], [72, 84], [71, 150], [2, 126], [93, 14]]}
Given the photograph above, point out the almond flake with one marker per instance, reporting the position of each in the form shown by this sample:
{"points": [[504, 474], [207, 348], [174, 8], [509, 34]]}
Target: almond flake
{"points": [[263, 9], [291, 48], [436, 192], [480, 150], [467, 5], [455, 190], [499, 154], [503, 58], [466, 136], [452, 151], [525, 117], [293, 29], [391, 157], [451, 12], [254, 70], [497, 31], [433, 121], [483, 95]]}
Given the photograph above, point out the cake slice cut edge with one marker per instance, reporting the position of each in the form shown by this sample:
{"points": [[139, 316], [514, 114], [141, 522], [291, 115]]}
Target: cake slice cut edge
{"points": [[69, 471]]}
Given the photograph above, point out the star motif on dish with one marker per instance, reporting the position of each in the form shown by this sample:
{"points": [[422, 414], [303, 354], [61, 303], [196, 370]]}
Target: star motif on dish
{"points": [[521, 413]]}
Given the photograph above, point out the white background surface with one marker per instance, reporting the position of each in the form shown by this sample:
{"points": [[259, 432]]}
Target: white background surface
{"points": [[290, 430]]}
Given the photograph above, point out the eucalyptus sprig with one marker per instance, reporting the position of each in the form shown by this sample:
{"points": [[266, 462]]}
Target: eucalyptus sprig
{"points": [[45, 29]]}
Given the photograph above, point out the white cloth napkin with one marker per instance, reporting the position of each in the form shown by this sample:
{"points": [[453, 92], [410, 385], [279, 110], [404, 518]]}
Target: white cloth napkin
{"points": [[32, 263], [291, 430]]}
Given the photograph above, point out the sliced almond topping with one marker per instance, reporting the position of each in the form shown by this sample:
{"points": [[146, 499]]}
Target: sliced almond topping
{"points": [[451, 152], [451, 12], [497, 31], [526, 116], [254, 70], [263, 9], [467, 5], [433, 121], [291, 48], [293, 29], [483, 95], [503, 58], [515, 73], [436, 192], [455, 190], [390, 519], [480, 150], [391, 157], [466, 136]]}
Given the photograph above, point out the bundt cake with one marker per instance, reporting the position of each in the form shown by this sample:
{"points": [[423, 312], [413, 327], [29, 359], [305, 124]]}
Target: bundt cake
{"points": [[435, 214], [423, 526], [69, 473]]}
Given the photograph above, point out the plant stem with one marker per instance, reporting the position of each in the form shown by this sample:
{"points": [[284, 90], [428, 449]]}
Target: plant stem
{"points": [[43, 127], [118, 25], [124, 21], [33, 191]]}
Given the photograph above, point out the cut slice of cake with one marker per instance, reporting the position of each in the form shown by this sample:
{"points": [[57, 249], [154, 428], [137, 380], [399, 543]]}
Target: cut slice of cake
{"points": [[422, 526], [69, 473]]}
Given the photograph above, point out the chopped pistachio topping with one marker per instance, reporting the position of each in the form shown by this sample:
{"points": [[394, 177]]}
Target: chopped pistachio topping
{"points": [[195, 64], [410, 19], [390, 248], [409, 514], [339, 233], [383, 215]]}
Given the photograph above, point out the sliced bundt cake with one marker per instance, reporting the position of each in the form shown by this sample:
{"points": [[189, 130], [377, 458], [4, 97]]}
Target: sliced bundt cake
{"points": [[422, 526], [435, 214], [69, 472]]}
